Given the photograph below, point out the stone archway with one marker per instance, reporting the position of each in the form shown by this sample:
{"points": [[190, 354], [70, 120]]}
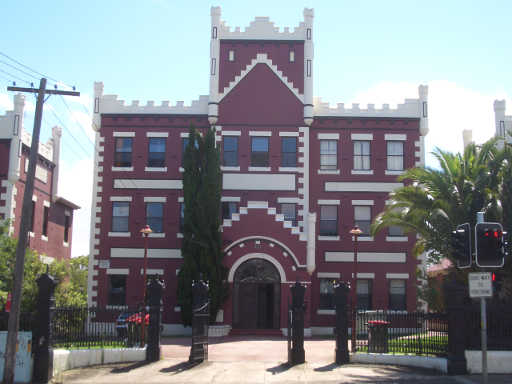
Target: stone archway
{"points": [[256, 295]]}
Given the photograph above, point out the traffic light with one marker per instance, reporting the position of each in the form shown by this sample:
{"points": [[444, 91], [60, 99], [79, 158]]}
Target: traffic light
{"points": [[490, 245], [461, 245]]}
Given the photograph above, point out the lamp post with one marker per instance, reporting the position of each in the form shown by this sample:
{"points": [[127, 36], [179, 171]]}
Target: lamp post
{"points": [[145, 232], [356, 231]]}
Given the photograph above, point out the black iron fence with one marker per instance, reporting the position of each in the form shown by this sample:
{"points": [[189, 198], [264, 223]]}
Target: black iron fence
{"points": [[398, 332], [26, 321], [74, 327], [499, 327]]}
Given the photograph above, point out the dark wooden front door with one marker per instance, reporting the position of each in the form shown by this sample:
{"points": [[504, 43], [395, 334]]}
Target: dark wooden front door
{"points": [[256, 296]]}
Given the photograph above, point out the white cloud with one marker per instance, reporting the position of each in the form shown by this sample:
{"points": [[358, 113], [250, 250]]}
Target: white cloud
{"points": [[452, 108], [75, 184], [6, 102]]}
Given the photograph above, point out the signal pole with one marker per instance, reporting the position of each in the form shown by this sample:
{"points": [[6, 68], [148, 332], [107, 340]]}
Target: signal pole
{"points": [[483, 320], [26, 214]]}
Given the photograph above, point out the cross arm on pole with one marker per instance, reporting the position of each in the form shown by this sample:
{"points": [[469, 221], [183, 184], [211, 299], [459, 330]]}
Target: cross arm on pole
{"points": [[46, 91]]}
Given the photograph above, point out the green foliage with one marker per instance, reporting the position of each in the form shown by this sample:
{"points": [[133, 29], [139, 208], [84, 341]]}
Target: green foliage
{"points": [[202, 239], [434, 201], [71, 275]]}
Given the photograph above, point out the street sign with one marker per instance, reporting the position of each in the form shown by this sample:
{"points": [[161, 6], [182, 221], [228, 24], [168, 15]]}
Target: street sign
{"points": [[480, 284]]}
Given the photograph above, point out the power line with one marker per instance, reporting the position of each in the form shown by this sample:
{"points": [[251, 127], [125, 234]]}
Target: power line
{"points": [[15, 77], [20, 70], [69, 131], [80, 124], [30, 69]]}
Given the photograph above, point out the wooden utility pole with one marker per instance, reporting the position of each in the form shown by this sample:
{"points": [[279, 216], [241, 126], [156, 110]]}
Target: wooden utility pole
{"points": [[26, 214]]}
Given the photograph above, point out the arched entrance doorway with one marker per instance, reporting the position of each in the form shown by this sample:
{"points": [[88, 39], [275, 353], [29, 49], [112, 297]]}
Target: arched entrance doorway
{"points": [[256, 295]]}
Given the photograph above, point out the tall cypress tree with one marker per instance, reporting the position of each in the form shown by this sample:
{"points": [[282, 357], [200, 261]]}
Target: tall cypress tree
{"points": [[202, 240]]}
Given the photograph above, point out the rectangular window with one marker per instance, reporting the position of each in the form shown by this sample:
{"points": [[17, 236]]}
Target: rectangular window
{"points": [[120, 216], [328, 220], [116, 290], [182, 217], [156, 154], [230, 151], [184, 147], [397, 296], [259, 152], [395, 155], [67, 224], [33, 218], [361, 155], [46, 213], [213, 67], [289, 211], [394, 230], [308, 68], [228, 208], [364, 294], [289, 152], [328, 154], [363, 218], [292, 56], [123, 152], [231, 55], [326, 294], [155, 216]]}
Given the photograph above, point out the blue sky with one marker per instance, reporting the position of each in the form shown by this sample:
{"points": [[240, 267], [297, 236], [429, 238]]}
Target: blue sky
{"points": [[365, 51]]}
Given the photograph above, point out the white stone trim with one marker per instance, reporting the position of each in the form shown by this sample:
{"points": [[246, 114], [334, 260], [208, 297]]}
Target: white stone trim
{"points": [[328, 238], [395, 137], [257, 204], [290, 169], [118, 271], [184, 135], [120, 198], [366, 275], [361, 187], [365, 238], [230, 199], [181, 199], [155, 169], [263, 256], [259, 169], [437, 363], [400, 239], [123, 134], [138, 253], [328, 136], [328, 171], [147, 184], [366, 257], [227, 168], [231, 133], [157, 235], [119, 234], [292, 200], [122, 169], [328, 202], [362, 136], [260, 133], [363, 202], [328, 275], [394, 173], [397, 275], [155, 199], [361, 172], [44, 238], [325, 311], [46, 203], [149, 271], [157, 134], [498, 362], [34, 198], [289, 134], [262, 182]]}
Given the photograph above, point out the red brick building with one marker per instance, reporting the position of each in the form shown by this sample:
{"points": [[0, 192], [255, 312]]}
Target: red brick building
{"points": [[297, 176], [52, 218]]}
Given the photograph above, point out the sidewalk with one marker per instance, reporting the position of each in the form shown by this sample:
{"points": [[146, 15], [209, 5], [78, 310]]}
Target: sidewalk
{"points": [[179, 371]]}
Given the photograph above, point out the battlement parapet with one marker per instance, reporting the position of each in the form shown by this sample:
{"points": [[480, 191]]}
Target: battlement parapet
{"points": [[111, 104], [410, 108], [45, 149]]}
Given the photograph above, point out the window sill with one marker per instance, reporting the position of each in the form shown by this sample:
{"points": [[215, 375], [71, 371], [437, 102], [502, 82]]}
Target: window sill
{"points": [[289, 169], [179, 235], [155, 169], [118, 307], [157, 235], [325, 311], [44, 238], [119, 234], [397, 238], [64, 244], [122, 169], [328, 171], [388, 172], [328, 238], [365, 238], [181, 169], [229, 168], [361, 172], [259, 169]]}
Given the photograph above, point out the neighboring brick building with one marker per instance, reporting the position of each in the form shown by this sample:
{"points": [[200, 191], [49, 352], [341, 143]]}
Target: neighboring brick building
{"points": [[297, 176], [52, 217]]}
